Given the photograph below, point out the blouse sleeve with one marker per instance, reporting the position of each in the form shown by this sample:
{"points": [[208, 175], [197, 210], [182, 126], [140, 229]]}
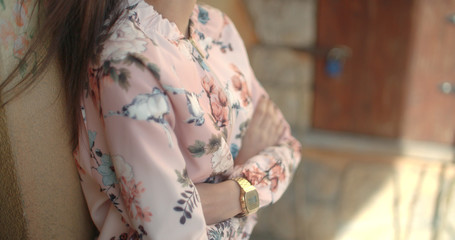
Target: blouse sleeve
{"points": [[272, 170], [158, 196]]}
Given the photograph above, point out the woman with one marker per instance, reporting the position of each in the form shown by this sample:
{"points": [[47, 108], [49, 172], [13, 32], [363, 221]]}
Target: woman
{"points": [[176, 138]]}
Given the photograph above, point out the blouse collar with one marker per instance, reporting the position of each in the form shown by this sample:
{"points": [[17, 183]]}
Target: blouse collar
{"points": [[150, 21]]}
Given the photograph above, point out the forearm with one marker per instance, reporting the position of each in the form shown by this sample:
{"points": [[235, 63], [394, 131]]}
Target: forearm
{"points": [[270, 171], [220, 201]]}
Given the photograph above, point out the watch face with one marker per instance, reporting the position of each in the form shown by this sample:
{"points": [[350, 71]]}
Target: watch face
{"points": [[252, 201]]}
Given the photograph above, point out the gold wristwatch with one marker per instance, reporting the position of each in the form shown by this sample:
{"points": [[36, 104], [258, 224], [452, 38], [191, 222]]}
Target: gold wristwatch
{"points": [[249, 197]]}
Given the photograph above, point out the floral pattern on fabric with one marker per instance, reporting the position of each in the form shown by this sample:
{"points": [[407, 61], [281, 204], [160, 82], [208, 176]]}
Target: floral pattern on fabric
{"points": [[190, 198], [269, 176], [162, 113], [124, 40], [239, 83], [131, 191], [17, 30], [194, 107], [218, 102], [147, 107]]}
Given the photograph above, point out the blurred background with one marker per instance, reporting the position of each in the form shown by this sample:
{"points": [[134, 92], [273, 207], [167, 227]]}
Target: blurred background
{"points": [[369, 89]]}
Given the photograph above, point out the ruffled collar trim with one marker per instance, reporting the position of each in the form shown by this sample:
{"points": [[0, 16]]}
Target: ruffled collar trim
{"points": [[150, 21]]}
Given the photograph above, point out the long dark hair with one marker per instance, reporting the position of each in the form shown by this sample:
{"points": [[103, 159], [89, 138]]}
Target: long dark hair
{"points": [[70, 31]]}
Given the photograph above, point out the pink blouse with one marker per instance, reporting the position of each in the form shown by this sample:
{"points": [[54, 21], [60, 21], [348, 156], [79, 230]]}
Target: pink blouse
{"points": [[161, 113]]}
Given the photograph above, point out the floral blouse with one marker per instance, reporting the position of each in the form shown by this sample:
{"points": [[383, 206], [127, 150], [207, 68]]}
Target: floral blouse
{"points": [[163, 112]]}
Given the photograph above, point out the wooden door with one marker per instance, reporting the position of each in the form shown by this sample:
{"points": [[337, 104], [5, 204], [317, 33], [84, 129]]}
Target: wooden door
{"points": [[402, 50], [429, 114]]}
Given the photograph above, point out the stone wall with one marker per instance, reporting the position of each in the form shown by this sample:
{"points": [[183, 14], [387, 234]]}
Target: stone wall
{"points": [[339, 195], [35, 154], [286, 73]]}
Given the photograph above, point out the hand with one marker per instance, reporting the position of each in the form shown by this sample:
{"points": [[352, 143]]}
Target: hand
{"points": [[264, 130], [220, 201]]}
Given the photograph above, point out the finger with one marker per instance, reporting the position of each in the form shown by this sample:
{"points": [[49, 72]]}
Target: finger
{"points": [[262, 100], [271, 106], [254, 126], [265, 111], [267, 115], [275, 113], [261, 105], [283, 128], [272, 113], [280, 125], [260, 111], [274, 135]]}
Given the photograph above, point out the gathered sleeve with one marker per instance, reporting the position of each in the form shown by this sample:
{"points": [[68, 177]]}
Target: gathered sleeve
{"points": [[272, 170], [157, 198]]}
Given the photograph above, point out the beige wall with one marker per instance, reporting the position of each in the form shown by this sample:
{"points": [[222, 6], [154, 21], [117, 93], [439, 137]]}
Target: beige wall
{"points": [[38, 154]]}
